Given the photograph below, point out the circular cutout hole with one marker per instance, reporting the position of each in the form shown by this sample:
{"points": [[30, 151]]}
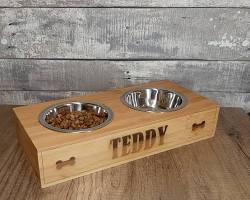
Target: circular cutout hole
{"points": [[154, 100], [86, 117]]}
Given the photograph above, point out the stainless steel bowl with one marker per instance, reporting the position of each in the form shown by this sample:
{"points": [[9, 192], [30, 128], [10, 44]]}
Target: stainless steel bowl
{"points": [[76, 106], [154, 100]]}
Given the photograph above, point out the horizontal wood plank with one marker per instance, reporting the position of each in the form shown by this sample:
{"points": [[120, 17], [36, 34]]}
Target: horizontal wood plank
{"points": [[125, 33], [81, 75], [228, 99], [126, 3]]}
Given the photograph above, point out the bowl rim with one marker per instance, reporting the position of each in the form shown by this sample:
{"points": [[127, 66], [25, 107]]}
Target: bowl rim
{"points": [[43, 114], [156, 110]]}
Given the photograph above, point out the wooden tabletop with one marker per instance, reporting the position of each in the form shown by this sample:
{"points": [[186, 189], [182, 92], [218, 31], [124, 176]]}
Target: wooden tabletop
{"points": [[217, 168]]}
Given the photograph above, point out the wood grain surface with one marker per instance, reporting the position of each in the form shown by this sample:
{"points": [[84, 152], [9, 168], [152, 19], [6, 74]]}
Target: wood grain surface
{"points": [[124, 33], [82, 75], [125, 3], [56, 48], [218, 168], [25, 81]]}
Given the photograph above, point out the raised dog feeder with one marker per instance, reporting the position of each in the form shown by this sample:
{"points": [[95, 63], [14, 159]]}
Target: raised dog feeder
{"points": [[134, 122]]}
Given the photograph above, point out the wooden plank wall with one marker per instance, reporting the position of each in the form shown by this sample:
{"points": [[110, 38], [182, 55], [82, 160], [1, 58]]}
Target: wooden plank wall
{"points": [[58, 48]]}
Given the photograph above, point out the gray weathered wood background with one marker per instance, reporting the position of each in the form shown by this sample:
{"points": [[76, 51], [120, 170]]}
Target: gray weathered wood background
{"points": [[58, 48]]}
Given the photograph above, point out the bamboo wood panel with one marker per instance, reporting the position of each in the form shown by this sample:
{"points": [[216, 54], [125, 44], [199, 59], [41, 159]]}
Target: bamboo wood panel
{"points": [[82, 75], [183, 127], [126, 3], [93, 158], [28, 148], [125, 118], [125, 33]]}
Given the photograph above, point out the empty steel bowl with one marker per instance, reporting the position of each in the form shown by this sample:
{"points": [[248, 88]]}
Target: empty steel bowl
{"points": [[76, 106], [154, 100]]}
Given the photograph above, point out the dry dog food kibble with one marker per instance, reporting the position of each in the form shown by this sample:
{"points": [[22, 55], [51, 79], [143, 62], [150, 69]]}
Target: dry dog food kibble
{"points": [[76, 120]]}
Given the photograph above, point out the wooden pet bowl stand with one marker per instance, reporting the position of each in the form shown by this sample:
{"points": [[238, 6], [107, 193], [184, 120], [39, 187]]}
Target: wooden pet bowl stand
{"points": [[57, 157]]}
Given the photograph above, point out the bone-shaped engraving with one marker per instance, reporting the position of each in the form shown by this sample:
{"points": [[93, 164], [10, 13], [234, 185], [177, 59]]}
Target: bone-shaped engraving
{"points": [[198, 126], [60, 163]]}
